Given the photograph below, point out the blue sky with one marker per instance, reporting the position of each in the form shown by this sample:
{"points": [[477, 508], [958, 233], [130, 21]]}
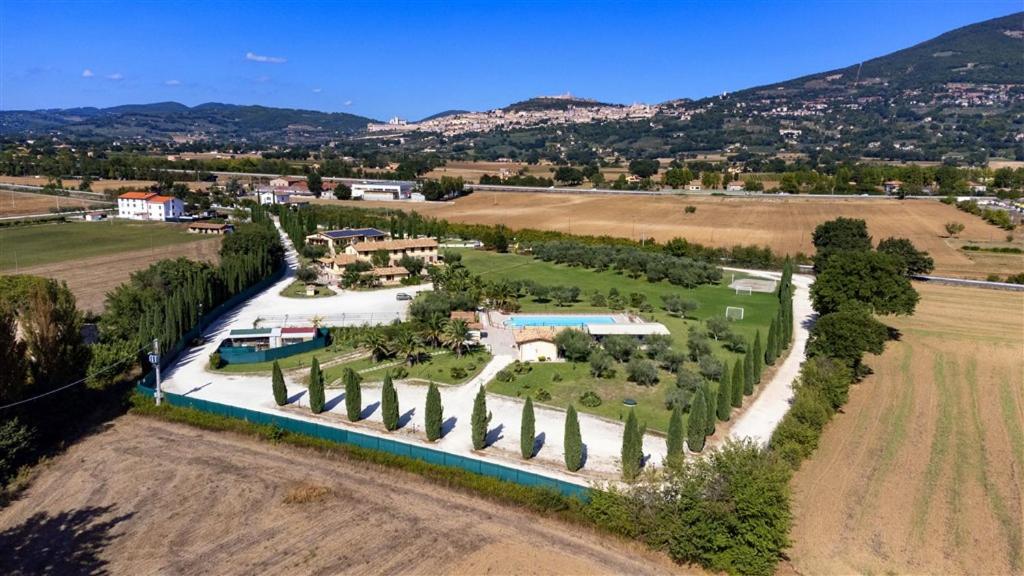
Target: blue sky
{"points": [[413, 59]]}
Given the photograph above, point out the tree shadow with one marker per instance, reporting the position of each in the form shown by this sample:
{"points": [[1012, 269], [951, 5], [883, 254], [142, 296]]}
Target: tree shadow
{"points": [[538, 443], [448, 425], [295, 397], [71, 542], [330, 404], [583, 455], [369, 410], [405, 418], [493, 435], [894, 333]]}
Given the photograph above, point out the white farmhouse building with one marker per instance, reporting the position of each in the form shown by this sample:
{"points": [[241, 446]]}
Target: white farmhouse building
{"points": [[149, 206], [273, 195], [388, 190]]}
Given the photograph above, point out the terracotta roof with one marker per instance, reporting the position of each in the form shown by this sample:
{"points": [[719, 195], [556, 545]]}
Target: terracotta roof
{"points": [[340, 260], [543, 333], [210, 225], [467, 316], [137, 195], [395, 244], [390, 271], [162, 199]]}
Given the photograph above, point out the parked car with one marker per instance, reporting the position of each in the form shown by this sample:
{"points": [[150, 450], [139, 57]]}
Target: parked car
{"points": [[402, 296]]}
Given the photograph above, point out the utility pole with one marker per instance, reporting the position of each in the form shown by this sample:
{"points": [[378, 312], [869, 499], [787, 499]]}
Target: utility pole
{"points": [[154, 359]]}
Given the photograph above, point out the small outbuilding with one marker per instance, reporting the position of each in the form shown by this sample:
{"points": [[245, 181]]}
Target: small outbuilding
{"points": [[536, 344]]}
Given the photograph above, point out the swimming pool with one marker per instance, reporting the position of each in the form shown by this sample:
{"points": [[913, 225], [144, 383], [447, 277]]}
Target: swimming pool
{"points": [[524, 321]]}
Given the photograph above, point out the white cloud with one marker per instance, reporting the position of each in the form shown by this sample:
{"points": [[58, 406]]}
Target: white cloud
{"points": [[253, 57], [348, 102], [87, 73], [263, 79], [172, 83], [116, 76], [317, 90]]}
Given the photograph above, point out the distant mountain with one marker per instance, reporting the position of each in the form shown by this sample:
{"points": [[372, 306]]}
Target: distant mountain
{"points": [[553, 103], [171, 120], [443, 114]]}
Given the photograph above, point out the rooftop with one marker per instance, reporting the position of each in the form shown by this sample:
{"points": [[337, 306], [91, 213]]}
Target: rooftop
{"points": [[390, 271], [627, 329], [137, 195], [353, 232], [542, 333], [395, 244]]}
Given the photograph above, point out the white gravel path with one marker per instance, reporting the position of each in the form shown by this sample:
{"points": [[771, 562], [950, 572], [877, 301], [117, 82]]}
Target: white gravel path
{"points": [[603, 438]]}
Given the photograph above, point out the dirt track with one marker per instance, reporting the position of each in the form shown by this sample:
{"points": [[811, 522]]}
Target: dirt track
{"points": [[923, 473], [147, 497], [784, 223], [91, 278]]}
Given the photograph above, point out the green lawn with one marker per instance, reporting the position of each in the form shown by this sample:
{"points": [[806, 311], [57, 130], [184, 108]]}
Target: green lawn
{"points": [[297, 289], [437, 368], [24, 246], [302, 360], [759, 309]]}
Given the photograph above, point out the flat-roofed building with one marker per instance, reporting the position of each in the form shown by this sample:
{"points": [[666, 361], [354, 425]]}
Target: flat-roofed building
{"points": [[383, 190], [210, 228]]}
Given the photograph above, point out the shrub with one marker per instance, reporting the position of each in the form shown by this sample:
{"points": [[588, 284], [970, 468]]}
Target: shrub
{"points": [[215, 360], [601, 363], [505, 375], [590, 399], [543, 395], [642, 372], [710, 367], [457, 372], [690, 209], [556, 377], [399, 372]]}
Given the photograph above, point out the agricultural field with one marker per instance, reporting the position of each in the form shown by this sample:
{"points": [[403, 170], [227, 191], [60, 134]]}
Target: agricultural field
{"points": [[94, 510], [921, 473], [28, 204], [96, 186], [565, 382], [94, 257], [783, 223]]}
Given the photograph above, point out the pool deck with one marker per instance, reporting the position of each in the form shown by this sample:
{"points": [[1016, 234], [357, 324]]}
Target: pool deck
{"points": [[498, 319]]}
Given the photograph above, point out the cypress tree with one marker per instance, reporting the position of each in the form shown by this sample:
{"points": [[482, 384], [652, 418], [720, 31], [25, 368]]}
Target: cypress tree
{"points": [[748, 372], [480, 419], [527, 432], [696, 426], [316, 388], [631, 448], [770, 347], [758, 358], [433, 413], [738, 381], [280, 390], [389, 403], [674, 443], [353, 395], [725, 382], [709, 409], [723, 401], [573, 442]]}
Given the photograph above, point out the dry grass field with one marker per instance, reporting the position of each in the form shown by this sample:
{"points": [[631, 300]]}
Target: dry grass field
{"points": [[783, 223], [147, 497], [923, 473], [96, 186], [25, 204], [91, 278]]}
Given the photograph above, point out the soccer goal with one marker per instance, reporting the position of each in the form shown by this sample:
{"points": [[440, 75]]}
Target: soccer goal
{"points": [[744, 290], [734, 313]]}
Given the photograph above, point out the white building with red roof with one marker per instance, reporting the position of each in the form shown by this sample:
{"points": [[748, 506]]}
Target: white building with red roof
{"points": [[149, 206]]}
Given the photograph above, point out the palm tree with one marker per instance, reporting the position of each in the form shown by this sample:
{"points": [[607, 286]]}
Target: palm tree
{"points": [[377, 342], [455, 334], [317, 321], [433, 328], [408, 344]]}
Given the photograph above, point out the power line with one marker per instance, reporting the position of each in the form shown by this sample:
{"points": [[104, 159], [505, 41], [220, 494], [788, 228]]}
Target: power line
{"points": [[75, 383]]}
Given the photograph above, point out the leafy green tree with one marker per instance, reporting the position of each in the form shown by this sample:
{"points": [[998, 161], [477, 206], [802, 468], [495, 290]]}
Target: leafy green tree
{"points": [[573, 442], [846, 335], [280, 390], [644, 168], [632, 448], [642, 372], [602, 364], [480, 419], [342, 191], [315, 183], [912, 260], [380, 258], [676, 434], [871, 278], [527, 431], [830, 377], [696, 426], [434, 413], [353, 394], [389, 403], [839, 235], [316, 387], [574, 345], [748, 372], [758, 355], [724, 400]]}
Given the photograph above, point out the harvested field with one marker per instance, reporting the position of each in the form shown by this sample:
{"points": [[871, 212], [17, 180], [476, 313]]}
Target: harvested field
{"points": [[146, 497], [90, 287], [96, 186], [923, 471], [25, 204], [783, 223]]}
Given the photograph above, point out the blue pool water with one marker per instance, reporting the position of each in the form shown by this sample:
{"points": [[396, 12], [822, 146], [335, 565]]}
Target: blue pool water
{"points": [[521, 321]]}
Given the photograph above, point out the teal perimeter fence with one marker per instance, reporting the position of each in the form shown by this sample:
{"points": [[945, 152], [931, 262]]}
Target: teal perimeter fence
{"points": [[343, 436], [250, 355], [339, 435]]}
